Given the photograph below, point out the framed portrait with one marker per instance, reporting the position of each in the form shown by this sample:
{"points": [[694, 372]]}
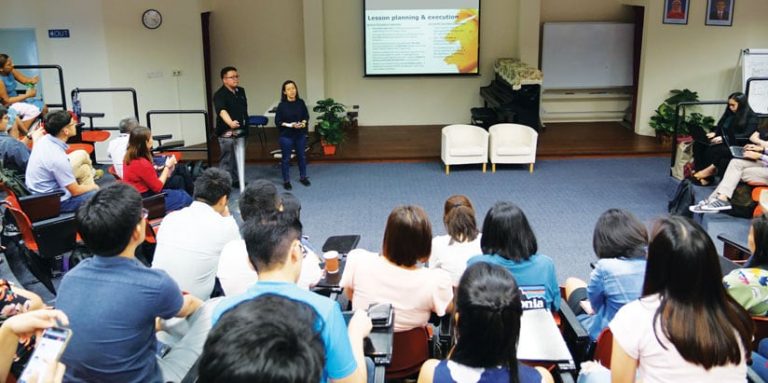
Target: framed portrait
{"points": [[676, 11], [720, 13]]}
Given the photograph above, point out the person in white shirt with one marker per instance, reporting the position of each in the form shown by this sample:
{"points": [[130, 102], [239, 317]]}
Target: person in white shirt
{"points": [[685, 327], [451, 252], [119, 145], [190, 240], [236, 274]]}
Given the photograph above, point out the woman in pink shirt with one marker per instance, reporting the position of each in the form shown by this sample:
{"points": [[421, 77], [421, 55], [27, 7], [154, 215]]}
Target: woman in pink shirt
{"points": [[398, 276]]}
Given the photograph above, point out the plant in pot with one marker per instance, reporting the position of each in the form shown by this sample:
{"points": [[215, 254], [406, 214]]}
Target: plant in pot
{"points": [[664, 120], [330, 124]]}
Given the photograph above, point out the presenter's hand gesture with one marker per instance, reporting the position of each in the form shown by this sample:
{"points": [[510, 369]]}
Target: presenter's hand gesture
{"points": [[234, 124]]}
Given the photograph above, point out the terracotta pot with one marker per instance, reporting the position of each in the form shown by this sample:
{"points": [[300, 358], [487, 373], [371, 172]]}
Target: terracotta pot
{"points": [[329, 149]]}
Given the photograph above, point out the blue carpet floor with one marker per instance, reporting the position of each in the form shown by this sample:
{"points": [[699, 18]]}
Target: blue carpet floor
{"points": [[562, 198]]}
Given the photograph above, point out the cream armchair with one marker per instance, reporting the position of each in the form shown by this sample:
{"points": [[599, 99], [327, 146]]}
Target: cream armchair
{"points": [[512, 144], [464, 144]]}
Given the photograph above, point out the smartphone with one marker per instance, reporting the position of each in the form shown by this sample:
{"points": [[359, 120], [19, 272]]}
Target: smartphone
{"points": [[49, 348]]}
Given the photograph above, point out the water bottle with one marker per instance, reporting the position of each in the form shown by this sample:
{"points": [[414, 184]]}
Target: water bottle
{"points": [[76, 106]]}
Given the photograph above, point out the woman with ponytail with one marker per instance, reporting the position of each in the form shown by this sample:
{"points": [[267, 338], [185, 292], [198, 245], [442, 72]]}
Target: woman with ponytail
{"points": [[487, 328], [451, 252]]}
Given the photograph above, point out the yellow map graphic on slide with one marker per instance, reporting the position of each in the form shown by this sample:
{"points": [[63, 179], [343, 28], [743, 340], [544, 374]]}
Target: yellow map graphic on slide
{"points": [[466, 33]]}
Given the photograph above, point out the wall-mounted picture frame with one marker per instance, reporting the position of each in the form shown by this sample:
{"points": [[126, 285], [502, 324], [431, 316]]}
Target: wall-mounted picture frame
{"points": [[676, 12], [720, 13]]}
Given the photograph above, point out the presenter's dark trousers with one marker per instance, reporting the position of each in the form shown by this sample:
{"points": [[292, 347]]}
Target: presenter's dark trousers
{"points": [[293, 139]]}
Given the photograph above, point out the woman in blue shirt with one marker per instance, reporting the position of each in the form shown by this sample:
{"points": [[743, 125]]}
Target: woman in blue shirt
{"points": [[620, 242], [508, 241], [291, 117]]}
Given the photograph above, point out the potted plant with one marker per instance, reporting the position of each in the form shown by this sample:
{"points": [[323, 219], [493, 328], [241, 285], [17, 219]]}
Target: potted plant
{"points": [[664, 120], [330, 124]]}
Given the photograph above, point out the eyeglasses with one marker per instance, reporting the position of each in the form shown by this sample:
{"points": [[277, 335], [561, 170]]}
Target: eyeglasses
{"points": [[302, 248], [235, 76]]}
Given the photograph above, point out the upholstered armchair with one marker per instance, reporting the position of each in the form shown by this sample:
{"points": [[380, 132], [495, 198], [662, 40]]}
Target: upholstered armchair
{"points": [[464, 144], [512, 144]]}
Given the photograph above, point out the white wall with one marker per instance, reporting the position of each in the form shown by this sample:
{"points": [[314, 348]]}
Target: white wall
{"points": [[411, 100], [702, 58], [109, 47], [584, 10]]}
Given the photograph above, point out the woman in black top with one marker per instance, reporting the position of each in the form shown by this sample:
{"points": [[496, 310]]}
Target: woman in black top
{"points": [[291, 117], [737, 124]]}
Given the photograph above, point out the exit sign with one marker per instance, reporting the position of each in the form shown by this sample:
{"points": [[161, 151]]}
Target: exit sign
{"points": [[58, 33]]}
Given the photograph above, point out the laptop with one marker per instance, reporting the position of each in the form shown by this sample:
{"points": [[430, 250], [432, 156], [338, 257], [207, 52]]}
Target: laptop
{"points": [[736, 151]]}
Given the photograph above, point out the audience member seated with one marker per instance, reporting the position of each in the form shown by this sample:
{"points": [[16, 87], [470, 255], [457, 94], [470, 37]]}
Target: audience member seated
{"points": [[259, 200], [509, 241], [398, 276], [112, 300], [751, 169], [738, 120], [190, 240], [180, 178], [254, 342], [26, 106], [13, 302], [139, 171], [13, 153], [15, 330], [451, 252], [274, 248], [685, 327], [50, 169], [311, 272], [749, 285], [488, 311], [619, 241]]}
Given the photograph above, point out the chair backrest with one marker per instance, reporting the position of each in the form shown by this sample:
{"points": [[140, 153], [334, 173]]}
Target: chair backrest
{"points": [[466, 134], [409, 351], [155, 205], [604, 347], [761, 330], [23, 223]]}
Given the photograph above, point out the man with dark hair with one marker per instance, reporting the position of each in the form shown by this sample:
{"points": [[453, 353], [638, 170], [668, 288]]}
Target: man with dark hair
{"points": [[190, 240], [50, 169], [231, 118], [254, 342], [112, 300], [274, 248], [259, 200]]}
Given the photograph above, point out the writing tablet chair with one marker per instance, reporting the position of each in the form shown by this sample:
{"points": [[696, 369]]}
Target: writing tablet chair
{"points": [[512, 144], [93, 135], [575, 335], [45, 238], [462, 145], [410, 349], [260, 123], [604, 347], [155, 206]]}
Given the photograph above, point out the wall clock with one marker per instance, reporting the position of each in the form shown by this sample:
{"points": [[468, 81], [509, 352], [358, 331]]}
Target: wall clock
{"points": [[152, 18]]}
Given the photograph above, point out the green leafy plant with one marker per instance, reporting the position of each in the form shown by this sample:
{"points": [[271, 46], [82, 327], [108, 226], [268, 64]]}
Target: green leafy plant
{"points": [[330, 123], [664, 120]]}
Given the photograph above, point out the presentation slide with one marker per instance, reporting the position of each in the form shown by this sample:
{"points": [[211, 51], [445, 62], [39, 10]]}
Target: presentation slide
{"points": [[421, 37]]}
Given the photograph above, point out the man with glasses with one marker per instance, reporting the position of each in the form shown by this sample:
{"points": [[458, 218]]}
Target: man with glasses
{"points": [[51, 169], [231, 108], [112, 300]]}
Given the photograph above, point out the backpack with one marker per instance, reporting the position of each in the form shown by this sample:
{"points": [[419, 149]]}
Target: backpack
{"points": [[742, 204], [682, 199]]}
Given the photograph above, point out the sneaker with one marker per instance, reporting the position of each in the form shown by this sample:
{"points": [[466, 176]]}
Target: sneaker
{"points": [[287, 186], [697, 209], [716, 205], [305, 181]]}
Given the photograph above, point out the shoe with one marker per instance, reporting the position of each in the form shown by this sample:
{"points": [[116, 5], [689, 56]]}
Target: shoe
{"points": [[287, 186], [305, 181], [716, 205], [698, 210]]}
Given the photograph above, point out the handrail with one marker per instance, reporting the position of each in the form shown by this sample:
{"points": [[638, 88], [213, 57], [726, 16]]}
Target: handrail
{"points": [[207, 149], [110, 90], [63, 103]]}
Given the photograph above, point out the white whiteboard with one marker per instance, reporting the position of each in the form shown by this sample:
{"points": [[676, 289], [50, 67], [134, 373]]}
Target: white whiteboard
{"points": [[587, 55], [755, 64]]}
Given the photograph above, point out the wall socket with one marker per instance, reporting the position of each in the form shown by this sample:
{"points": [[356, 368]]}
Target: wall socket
{"points": [[176, 72]]}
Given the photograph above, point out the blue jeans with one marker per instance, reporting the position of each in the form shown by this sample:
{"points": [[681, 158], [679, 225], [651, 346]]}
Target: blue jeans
{"points": [[295, 139], [176, 199], [759, 361], [72, 203]]}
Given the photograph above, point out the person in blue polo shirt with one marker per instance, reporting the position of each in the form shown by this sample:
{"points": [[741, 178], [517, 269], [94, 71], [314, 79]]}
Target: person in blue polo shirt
{"points": [[275, 249]]}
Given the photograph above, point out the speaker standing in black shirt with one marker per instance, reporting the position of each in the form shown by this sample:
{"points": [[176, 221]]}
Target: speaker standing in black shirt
{"points": [[231, 107], [292, 117]]}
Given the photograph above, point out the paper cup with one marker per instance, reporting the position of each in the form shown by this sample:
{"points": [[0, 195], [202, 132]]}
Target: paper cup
{"points": [[331, 261]]}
